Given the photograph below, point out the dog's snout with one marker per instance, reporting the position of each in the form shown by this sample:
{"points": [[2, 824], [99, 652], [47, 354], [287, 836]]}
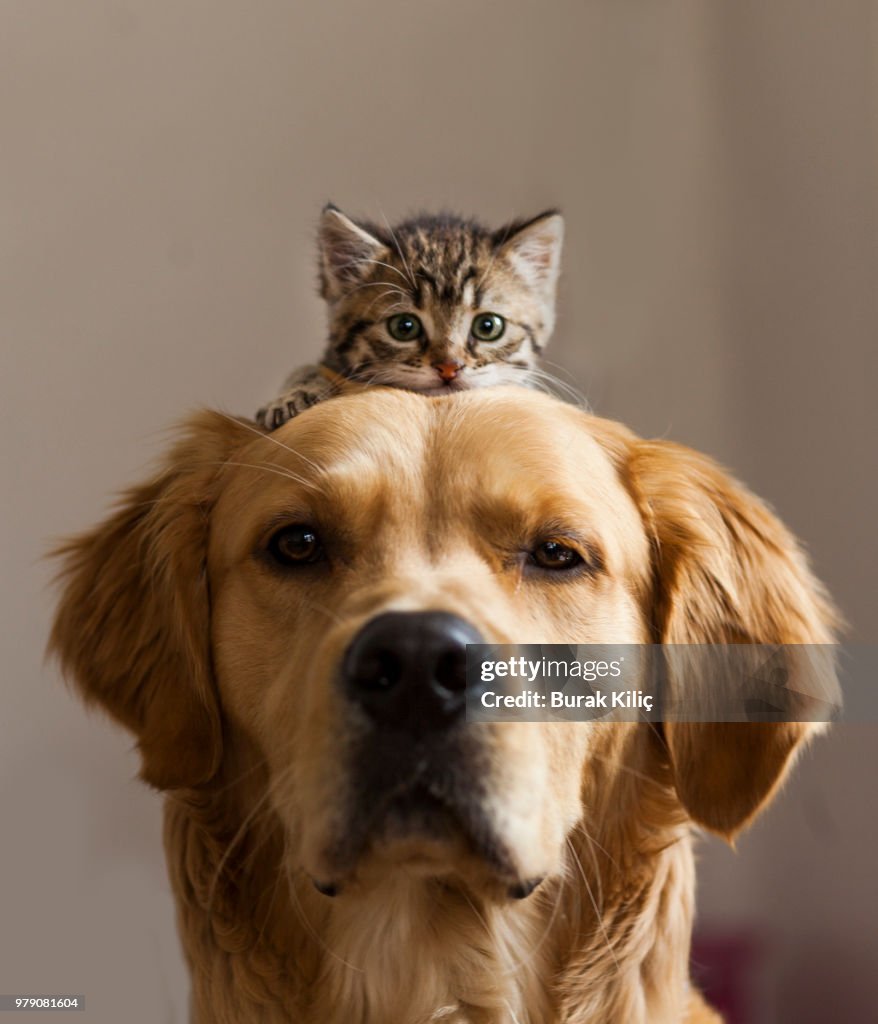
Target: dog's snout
{"points": [[407, 670]]}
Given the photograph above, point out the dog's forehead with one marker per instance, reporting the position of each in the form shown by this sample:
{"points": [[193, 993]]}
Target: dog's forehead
{"points": [[524, 436], [389, 453], [343, 445], [530, 461], [342, 459], [503, 435]]}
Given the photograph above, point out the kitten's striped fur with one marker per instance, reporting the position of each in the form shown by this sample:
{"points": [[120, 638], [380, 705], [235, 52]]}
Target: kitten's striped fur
{"points": [[446, 272]]}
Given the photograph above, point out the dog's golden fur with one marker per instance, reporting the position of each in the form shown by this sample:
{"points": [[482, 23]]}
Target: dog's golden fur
{"points": [[223, 668]]}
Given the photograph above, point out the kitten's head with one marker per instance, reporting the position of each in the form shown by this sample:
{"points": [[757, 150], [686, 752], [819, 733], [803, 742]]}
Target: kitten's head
{"points": [[438, 303]]}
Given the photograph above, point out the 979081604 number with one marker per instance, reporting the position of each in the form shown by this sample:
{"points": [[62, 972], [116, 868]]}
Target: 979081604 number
{"points": [[42, 1002]]}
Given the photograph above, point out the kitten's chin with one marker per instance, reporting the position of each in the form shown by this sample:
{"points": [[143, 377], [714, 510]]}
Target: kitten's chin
{"points": [[445, 389], [431, 389]]}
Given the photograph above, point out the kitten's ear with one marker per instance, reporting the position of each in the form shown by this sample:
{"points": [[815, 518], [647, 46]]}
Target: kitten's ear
{"points": [[533, 247], [344, 249]]}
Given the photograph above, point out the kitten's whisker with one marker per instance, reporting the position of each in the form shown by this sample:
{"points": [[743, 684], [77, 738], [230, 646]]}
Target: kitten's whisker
{"points": [[383, 295], [545, 381], [374, 377], [393, 376], [378, 263], [558, 366], [389, 266], [378, 284], [570, 378], [399, 251], [396, 306]]}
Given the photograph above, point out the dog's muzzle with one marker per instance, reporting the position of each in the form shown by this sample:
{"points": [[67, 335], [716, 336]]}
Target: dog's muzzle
{"points": [[418, 774]]}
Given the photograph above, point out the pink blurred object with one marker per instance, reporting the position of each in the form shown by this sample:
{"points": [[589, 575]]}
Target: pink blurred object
{"points": [[727, 966]]}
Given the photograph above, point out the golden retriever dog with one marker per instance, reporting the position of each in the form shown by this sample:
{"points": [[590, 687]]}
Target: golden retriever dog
{"points": [[281, 621]]}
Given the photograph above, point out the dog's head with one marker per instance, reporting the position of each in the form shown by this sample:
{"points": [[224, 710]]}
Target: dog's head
{"points": [[298, 605]]}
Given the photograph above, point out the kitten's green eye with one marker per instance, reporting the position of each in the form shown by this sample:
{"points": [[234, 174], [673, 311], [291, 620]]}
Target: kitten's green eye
{"points": [[405, 327], [488, 327]]}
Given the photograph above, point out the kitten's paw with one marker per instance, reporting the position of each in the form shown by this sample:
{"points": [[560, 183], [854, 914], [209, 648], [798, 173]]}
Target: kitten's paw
{"points": [[274, 415], [287, 406]]}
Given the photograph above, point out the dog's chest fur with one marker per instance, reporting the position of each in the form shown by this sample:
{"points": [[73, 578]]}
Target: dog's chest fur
{"points": [[414, 953]]}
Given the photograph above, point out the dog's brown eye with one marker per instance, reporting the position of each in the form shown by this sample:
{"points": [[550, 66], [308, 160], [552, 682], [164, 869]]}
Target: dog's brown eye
{"points": [[552, 554], [295, 545]]}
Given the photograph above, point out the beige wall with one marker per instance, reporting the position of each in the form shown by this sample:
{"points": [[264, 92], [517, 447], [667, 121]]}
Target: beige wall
{"points": [[161, 166]]}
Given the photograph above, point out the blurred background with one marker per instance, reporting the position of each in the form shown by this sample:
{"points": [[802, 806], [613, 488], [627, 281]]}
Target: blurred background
{"points": [[162, 166]]}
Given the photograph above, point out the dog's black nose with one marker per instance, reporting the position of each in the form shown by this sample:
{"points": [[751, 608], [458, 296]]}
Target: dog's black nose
{"points": [[407, 670]]}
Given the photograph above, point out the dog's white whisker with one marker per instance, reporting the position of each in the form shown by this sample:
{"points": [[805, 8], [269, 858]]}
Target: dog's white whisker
{"points": [[265, 467], [271, 439]]}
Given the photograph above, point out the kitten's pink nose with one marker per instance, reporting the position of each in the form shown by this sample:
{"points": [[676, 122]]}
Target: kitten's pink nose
{"points": [[448, 371]]}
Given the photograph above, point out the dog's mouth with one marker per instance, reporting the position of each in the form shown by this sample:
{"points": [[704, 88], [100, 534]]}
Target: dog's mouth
{"points": [[428, 810], [418, 830], [432, 823], [419, 812]]}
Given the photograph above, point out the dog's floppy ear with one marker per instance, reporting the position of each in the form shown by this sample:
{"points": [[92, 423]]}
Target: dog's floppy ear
{"points": [[726, 572], [133, 625]]}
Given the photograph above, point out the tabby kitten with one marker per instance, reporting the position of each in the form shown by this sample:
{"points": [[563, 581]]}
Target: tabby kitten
{"points": [[435, 304]]}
